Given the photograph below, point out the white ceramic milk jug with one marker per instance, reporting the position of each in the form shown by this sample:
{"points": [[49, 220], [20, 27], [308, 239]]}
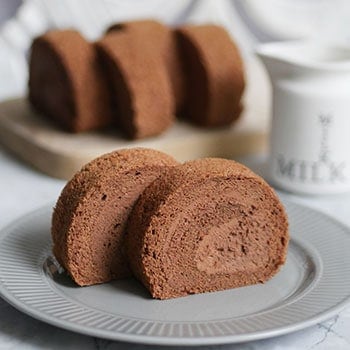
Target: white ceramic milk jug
{"points": [[310, 130]]}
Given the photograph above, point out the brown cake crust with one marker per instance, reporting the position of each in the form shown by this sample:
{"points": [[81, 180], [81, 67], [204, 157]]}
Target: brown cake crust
{"points": [[139, 82], [206, 225], [214, 75], [66, 83], [89, 218], [164, 41]]}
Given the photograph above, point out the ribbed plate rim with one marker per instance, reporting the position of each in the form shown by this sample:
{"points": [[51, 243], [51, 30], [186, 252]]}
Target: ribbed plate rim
{"points": [[308, 212]]}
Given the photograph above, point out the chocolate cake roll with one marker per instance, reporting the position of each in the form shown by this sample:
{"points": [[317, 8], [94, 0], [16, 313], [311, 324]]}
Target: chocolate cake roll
{"points": [[139, 83], [164, 41], [89, 218], [214, 75], [203, 226], [65, 81]]}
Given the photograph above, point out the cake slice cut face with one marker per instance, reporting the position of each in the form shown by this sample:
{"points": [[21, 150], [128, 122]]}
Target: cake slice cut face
{"points": [[66, 83], [204, 226], [164, 43], [214, 75], [139, 83], [89, 219]]}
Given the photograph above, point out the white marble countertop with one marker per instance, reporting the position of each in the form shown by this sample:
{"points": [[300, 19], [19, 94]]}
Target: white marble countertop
{"points": [[23, 189]]}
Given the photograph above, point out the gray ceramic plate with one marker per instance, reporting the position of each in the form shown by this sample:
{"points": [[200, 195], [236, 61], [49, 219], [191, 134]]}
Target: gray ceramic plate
{"points": [[313, 285]]}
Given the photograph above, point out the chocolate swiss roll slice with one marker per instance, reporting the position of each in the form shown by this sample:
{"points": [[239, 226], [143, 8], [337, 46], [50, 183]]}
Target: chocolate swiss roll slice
{"points": [[203, 226], [164, 41], [214, 75], [139, 82], [90, 215], [66, 83]]}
